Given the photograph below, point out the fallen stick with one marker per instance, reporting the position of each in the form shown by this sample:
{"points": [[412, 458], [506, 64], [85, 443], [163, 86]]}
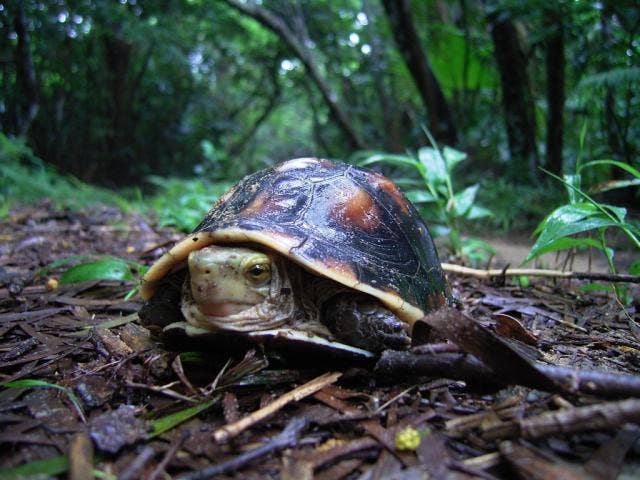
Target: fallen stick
{"points": [[599, 416], [286, 439], [535, 272], [397, 366], [233, 429], [80, 457]]}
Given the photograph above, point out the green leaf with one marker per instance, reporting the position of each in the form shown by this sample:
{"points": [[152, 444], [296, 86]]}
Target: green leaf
{"points": [[476, 250], [438, 230], [452, 157], [619, 212], [62, 262], [434, 165], [420, 196], [476, 211], [47, 468], [565, 243], [109, 268], [573, 181], [596, 287], [624, 166], [34, 383], [565, 221], [567, 214], [463, 201], [524, 281], [403, 160], [634, 269], [168, 422]]}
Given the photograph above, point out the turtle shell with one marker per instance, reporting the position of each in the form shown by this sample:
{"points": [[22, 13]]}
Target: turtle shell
{"points": [[345, 223]]}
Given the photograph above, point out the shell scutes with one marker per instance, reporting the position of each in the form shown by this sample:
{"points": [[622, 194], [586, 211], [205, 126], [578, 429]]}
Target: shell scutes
{"points": [[336, 220]]}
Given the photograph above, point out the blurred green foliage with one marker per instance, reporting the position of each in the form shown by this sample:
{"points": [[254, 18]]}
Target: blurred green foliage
{"points": [[131, 89], [25, 178], [171, 102], [183, 203]]}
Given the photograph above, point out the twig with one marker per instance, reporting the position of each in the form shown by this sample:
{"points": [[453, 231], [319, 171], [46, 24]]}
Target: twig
{"points": [[285, 439], [229, 431], [569, 420], [135, 468], [164, 389], [168, 456], [535, 272], [80, 457]]}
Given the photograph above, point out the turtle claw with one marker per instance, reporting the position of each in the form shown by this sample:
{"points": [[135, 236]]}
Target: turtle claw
{"points": [[361, 321]]}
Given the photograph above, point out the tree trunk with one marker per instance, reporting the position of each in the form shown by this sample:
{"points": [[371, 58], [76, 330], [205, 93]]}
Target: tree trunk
{"points": [[390, 119], [555, 60], [118, 61], [235, 148], [611, 124], [516, 93], [408, 41], [27, 109], [280, 28]]}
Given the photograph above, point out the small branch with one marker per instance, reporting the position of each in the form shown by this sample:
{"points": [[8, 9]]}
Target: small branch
{"points": [[286, 439], [164, 389], [159, 469], [569, 420], [398, 366], [80, 457], [137, 466], [534, 272], [229, 431]]}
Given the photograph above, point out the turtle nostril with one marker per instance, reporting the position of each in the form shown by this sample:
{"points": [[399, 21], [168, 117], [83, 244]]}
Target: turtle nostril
{"points": [[207, 271]]}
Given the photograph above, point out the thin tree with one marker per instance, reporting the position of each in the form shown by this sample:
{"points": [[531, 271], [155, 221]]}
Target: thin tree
{"points": [[26, 73], [279, 26], [406, 37], [516, 92], [555, 63]]}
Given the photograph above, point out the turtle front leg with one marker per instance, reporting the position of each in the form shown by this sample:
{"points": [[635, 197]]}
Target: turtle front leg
{"points": [[361, 321]]}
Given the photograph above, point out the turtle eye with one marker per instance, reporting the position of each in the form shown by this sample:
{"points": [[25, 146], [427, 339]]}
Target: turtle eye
{"points": [[258, 273]]}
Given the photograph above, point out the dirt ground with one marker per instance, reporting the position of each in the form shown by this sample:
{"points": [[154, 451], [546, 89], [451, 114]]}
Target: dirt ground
{"points": [[539, 382]]}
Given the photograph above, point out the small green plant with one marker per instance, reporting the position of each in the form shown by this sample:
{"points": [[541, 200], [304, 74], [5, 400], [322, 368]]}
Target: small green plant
{"points": [[442, 206], [584, 215]]}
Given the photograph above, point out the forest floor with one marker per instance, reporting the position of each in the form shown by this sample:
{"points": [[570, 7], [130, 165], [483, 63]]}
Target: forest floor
{"points": [[552, 389]]}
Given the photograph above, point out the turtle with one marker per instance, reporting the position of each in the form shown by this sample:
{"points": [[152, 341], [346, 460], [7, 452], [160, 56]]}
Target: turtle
{"points": [[309, 250]]}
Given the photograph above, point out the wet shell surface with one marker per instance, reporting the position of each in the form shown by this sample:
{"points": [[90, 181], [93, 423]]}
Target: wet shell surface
{"points": [[336, 220]]}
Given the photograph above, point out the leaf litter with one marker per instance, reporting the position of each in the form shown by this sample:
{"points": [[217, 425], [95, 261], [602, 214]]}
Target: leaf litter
{"points": [[536, 382]]}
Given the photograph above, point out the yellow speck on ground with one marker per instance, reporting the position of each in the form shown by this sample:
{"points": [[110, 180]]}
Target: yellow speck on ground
{"points": [[407, 439], [52, 283], [329, 444]]}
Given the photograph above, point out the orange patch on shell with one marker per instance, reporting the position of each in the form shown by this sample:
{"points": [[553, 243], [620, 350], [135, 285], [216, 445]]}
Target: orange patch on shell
{"points": [[345, 270], [259, 204], [391, 189], [356, 208]]}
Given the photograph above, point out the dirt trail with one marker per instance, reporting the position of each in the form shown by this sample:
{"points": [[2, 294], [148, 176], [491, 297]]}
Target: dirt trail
{"points": [[512, 251]]}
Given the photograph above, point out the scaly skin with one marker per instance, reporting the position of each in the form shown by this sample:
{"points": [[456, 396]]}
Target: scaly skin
{"points": [[236, 289], [227, 280]]}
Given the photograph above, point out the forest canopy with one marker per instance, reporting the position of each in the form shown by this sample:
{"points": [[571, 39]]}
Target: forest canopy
{"points": [[113, 92]]}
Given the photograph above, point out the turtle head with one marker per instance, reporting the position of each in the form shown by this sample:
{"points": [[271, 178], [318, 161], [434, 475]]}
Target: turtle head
{"points": [[228, 280]]}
